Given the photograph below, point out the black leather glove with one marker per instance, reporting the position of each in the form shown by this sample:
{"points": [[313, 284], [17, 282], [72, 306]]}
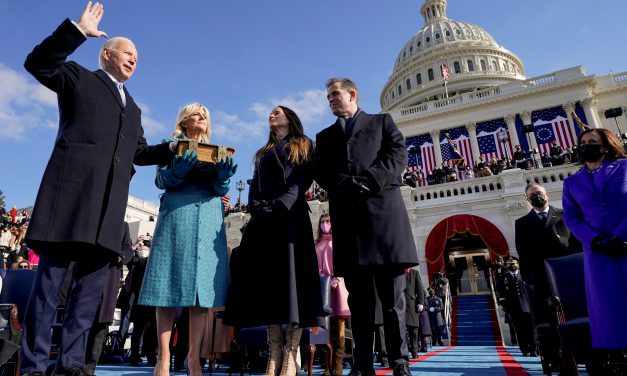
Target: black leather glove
{"points": [[266, 207], [260, 207], [356, 187], [613, 246]]}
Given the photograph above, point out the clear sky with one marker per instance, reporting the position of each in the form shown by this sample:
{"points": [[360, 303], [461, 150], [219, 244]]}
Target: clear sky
{"points": [[242, 58]]}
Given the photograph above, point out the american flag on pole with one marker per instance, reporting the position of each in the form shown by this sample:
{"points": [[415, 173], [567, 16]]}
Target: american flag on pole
{"points": [[444, 70], [489, 144], [461, 142], [424, 159], [552, 124]]}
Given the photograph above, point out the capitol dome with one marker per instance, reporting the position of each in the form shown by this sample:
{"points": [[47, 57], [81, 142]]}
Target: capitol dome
{"points": [[474, 59]]}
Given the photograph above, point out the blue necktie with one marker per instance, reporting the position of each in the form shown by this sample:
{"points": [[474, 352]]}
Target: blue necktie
{"points": [[348, 126], [121, 90]]}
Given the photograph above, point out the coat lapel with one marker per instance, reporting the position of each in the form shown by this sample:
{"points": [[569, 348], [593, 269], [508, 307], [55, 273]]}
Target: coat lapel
{"points": [[359, 122], [111, 86], [552, 217], [607, 173], [581, 180]]}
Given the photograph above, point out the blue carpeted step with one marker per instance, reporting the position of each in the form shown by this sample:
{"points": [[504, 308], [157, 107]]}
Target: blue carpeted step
{"points": [[473, 321]]}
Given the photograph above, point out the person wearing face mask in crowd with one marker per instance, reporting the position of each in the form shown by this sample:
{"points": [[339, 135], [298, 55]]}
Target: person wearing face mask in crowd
{"points": [[595, 209], [280, 284], [513, 297], [541, 234], [338, 297]]}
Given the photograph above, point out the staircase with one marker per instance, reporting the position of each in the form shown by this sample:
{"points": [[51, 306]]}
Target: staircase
{"points": [[474, 322]]}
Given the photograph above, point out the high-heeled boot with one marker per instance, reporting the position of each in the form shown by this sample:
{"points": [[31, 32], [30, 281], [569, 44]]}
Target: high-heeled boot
{"points": [[292, 338], [339, 350], [275, 357]]}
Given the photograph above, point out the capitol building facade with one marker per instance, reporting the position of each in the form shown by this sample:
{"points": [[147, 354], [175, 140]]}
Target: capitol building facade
{"points": [[452, 83]]}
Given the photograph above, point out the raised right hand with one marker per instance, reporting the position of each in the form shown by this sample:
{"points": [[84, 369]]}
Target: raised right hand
{"points": [[183, 165], [88, 23]]}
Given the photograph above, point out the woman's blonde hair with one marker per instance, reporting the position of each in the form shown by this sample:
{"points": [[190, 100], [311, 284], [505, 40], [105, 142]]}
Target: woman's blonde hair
{"points": [[184, 113], [299, 145]]}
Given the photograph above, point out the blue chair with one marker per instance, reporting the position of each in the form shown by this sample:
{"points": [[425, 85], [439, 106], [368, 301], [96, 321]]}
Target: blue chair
{"points": [[566, 279], [311, 339]]}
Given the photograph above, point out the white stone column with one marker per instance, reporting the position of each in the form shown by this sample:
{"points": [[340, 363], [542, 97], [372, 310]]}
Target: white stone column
{"points": [[592, 113], [474, 144], [526, 118], [435, 137], [510, 120], [533, 143]]}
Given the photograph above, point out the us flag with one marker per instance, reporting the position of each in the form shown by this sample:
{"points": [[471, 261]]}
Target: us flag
{"points": [[552, 124], [488, 140], [444, 70], [425, 158]]}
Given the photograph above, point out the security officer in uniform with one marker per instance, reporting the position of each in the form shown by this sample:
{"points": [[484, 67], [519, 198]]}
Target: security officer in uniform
{"points": [[513, 297]]}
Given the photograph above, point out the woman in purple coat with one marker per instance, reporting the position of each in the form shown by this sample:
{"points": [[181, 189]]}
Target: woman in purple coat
{"points": [[595, 210]]}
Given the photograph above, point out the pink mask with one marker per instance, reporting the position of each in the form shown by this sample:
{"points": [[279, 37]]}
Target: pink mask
{"points": [[325, 227]]}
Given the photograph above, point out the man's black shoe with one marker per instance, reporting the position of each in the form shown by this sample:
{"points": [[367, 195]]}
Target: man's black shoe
{"points": [[402, 369], [356, 372], [75, 371], [385, 363]]}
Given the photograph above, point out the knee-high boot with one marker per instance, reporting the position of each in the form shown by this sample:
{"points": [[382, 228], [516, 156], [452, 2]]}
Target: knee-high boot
{"points": [[292, 338], [340, 347], [275, 357]]}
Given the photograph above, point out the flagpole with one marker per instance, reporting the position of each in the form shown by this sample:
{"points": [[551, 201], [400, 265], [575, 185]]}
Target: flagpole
{"points": [[445, 90]]}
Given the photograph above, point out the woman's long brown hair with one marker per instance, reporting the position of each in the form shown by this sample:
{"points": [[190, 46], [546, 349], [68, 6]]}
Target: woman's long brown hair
{"points": [[299, 146]]}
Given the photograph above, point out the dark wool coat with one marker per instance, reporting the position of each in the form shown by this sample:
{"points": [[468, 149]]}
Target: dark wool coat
{"points": [[375, 232], [83, 193], [414, 295], [535, 242], [275, 276]]}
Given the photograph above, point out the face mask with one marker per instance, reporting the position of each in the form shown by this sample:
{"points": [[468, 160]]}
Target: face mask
{"points": [[325, 227], [513, 268], [589, 153], [537, 200], [143, 253]]}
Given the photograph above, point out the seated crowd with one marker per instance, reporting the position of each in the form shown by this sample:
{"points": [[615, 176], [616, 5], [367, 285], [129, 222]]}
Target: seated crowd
{"points": [[450, 172]]}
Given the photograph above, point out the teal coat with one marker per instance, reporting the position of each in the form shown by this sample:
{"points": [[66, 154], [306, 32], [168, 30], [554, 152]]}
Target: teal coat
{"points": [[188, 260]]}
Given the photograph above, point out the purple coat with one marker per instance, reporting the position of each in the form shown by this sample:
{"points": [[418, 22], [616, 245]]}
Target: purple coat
{"points": [[596, 204]]}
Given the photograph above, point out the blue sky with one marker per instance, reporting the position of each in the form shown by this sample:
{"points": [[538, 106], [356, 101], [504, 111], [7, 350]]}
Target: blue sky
{"points": [[241, 58]]}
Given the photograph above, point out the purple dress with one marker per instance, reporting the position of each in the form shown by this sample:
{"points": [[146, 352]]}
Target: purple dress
{"points": [[596, 204]]}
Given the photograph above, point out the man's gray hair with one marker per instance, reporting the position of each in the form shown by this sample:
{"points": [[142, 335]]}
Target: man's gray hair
{"points": [[346, 83], [110, 45]]}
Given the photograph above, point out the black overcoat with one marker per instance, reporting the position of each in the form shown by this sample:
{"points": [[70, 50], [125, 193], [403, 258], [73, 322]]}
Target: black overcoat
{"points": [[112, 286], [84, 190], [414, 295], [275, 276], [535, 242], [376, 231]]}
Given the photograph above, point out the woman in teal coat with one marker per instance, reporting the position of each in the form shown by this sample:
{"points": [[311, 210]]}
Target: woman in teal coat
{"points": [[188, 264]]}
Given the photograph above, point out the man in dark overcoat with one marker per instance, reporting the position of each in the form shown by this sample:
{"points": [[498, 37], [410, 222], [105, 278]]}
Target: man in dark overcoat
{"points": [[541, 234], [417, 318], [359, 162], [79, 211]]}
